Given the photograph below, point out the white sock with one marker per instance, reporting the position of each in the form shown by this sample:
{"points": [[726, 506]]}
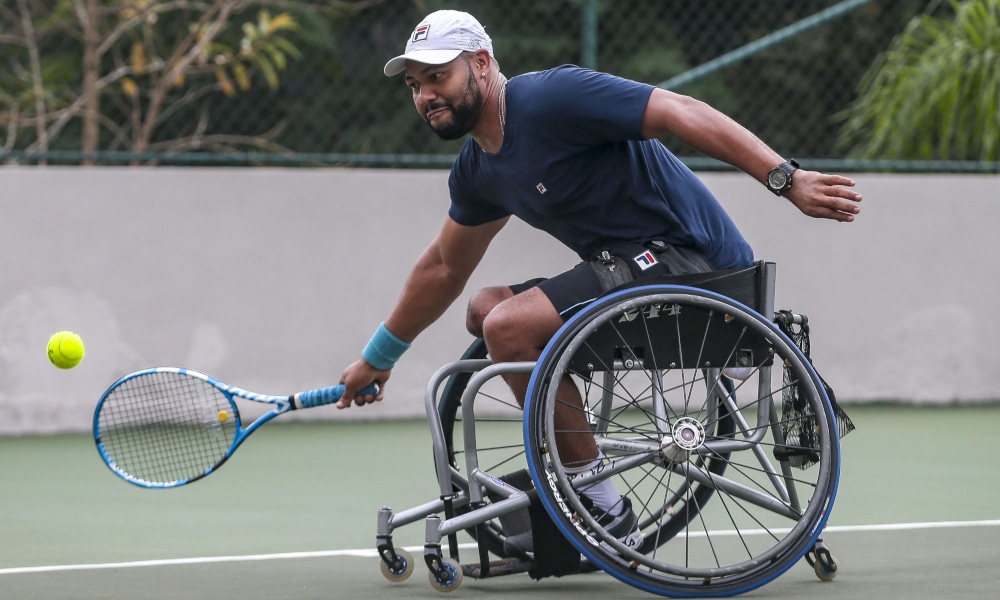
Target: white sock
{"points": [[603, 493]]}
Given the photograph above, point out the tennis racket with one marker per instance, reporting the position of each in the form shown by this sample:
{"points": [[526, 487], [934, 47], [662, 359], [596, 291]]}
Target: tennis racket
{"points": [[166, 427]]}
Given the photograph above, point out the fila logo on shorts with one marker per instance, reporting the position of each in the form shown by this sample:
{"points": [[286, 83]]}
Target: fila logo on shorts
{"points": [[645, 260], [420, 33]]}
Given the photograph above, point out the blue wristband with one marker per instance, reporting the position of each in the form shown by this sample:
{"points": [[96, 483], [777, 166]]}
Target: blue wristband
{"points": [[384, 349]]}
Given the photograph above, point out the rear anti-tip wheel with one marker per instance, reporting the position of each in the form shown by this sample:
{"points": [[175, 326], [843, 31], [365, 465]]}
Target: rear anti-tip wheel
{"points": [[826, 569], [822, 561], [401, 569]]}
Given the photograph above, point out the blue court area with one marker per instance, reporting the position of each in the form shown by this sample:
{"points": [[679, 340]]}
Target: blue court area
{"points": [[293, 515]]}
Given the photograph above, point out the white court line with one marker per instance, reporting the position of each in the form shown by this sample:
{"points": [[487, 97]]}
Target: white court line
{"points": [[907, 526], [844, 528], [371, 553]]}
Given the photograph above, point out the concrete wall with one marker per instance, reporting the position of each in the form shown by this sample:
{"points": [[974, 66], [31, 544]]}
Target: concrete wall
{"points": [[273, 280]]}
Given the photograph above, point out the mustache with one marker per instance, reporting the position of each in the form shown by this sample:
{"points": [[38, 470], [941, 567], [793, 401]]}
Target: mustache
{"points": [[436, 105]]}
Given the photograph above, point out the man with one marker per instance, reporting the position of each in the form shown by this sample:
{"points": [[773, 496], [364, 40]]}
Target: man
{"points": [[574, 153]]}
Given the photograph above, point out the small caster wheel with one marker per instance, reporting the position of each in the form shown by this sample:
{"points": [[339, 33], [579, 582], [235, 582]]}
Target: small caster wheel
{"points": [[824, 563], [452, 574], [402, 568], [825, 566]]}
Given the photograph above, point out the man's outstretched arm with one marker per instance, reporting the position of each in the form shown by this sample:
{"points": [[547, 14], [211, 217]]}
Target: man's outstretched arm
{"points": [[716, 135]]}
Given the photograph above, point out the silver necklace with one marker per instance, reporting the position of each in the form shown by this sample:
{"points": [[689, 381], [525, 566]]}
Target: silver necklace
{"points": [[502, 105], [501, 108]]}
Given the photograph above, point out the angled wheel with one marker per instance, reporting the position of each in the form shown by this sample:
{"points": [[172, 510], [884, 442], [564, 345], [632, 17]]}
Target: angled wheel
{"points": [[500, 418], [645, 365]]}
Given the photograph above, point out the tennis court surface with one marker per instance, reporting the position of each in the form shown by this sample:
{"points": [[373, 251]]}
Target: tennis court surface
{"points": [[293, 515]]}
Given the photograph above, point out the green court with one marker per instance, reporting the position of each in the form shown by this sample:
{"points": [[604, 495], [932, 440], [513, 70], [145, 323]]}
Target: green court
{"points": [[293, 515]]}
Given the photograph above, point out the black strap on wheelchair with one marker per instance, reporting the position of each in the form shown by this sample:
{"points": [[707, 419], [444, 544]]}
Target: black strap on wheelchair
{"points": [[554, 555], [612, 271]]}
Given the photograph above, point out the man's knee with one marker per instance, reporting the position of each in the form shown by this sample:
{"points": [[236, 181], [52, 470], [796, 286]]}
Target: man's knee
{"points": [[481, 304], [500, 330], [519, 328]]}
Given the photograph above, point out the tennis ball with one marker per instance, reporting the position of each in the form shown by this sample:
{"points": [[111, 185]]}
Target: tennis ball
{"points": [[223, 416], [65, 349]]}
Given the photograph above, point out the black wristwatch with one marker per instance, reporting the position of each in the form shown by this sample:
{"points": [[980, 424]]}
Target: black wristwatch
{"points": [[779, 179]]}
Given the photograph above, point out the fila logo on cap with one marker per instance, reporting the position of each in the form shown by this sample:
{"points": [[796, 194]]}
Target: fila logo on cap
{"points": [[420, 33]]}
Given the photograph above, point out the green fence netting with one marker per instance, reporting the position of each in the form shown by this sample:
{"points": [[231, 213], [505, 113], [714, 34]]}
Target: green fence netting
{"points": [[299, 82]]}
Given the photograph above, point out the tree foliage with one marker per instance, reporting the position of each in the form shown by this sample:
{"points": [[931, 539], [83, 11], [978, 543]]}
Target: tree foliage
{"points": [[111, 74], [304, 77], [935, 93]]}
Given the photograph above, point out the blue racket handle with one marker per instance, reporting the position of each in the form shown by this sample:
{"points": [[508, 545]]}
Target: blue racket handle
{"points": [[329, 395]]}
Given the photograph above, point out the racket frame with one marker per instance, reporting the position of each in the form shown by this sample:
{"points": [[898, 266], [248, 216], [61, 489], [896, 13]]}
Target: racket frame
{"points": [[281, 405]]}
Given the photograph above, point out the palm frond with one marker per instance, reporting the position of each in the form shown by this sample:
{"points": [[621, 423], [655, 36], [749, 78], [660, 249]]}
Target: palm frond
{"points": [[933, 95]]}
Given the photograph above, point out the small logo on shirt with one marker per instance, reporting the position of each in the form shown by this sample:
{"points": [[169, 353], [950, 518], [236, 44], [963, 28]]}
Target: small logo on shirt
{"points": [[541, 188], [420, 33], [645, 260]]}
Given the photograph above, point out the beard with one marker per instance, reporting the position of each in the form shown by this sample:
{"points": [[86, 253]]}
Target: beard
{"points": [[464, 114]]}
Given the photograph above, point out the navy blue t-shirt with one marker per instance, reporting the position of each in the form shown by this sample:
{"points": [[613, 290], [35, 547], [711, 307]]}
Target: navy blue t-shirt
{"points": [[574, 164]]}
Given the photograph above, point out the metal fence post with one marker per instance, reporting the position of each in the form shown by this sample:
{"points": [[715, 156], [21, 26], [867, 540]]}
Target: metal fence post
{"points": [[588, 34]]}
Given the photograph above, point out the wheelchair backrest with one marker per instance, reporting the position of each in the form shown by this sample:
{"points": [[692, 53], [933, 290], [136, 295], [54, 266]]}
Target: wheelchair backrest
{"points": [[649, 335], [752, 286]]}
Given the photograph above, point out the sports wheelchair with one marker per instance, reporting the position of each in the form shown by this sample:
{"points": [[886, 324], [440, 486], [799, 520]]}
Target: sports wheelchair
{"points": [[709, 416]]}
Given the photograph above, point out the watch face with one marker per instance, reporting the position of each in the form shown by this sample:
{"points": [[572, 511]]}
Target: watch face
{"points": [[777, 179]]}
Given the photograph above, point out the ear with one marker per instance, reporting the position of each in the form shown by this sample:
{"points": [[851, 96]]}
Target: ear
{"points": [[481, 60]]}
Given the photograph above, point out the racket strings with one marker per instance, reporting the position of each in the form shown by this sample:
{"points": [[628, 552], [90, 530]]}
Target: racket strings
{"points": [[163, 427]]}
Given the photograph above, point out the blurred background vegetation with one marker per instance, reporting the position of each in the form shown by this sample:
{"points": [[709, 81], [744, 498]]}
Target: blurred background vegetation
{"points": [[299, 82]]}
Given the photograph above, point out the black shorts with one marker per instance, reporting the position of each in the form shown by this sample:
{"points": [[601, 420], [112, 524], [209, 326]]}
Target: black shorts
{"points": [[572, 290]]}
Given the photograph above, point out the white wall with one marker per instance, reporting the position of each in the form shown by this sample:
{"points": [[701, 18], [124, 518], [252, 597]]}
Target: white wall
{"points": [[273, 280]]}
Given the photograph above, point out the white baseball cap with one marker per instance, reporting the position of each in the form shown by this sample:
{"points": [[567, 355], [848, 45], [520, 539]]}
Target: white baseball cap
{"points": [[440, 38]]}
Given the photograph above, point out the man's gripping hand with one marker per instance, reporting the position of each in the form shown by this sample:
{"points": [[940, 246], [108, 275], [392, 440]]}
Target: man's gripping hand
{"points": [[355, 377], [824, 196]]}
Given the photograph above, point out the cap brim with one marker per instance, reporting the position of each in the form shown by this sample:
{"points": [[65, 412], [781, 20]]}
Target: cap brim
{"points": [[429, 57]]}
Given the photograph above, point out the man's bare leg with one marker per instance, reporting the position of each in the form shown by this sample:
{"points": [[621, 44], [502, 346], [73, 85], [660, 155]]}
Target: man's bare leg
{"points": [[517, 328]]}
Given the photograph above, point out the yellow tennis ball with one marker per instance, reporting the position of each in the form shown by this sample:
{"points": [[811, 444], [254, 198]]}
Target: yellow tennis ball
{"points": [[223, 416], [65, 349]]}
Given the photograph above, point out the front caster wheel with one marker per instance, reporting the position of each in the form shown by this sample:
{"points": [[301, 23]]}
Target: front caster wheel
{"points": [[449, 578], [401, 568]]}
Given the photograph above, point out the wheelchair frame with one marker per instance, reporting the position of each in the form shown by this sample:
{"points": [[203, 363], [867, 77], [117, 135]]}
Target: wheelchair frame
{"points": [[638, 358]]}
